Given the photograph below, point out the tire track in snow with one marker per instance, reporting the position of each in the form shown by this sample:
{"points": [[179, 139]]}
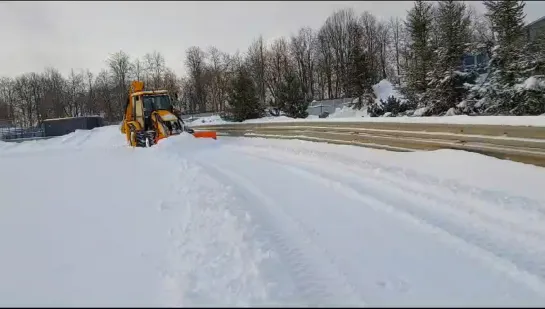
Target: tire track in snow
{"points": [[211, 260], [529, 274], [530, 223], [396, 174], [521, 242], [502, 229], [317, 279]]}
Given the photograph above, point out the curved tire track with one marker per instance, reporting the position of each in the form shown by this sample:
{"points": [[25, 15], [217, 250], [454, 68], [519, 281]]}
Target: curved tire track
{"points": [[521, 265], [316, 277]]}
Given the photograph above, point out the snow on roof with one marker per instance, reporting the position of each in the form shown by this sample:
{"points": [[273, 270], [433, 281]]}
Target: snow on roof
{"points": [[535, 22], [150, 92]]}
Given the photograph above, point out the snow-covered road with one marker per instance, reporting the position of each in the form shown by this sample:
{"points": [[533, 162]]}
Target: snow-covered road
{"points": [[85, 220]]}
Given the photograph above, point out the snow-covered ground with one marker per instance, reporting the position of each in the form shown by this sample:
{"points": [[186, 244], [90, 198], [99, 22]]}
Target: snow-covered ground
{"points": [[87, 221]]}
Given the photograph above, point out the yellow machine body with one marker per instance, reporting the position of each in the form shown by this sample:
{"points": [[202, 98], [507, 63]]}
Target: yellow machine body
{"points": [[150, 116]]}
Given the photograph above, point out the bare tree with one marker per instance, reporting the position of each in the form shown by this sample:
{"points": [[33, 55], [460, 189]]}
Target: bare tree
{"points": [[170, 83], [277, 67], [36, 90], [324, 65], [302, 46], [106, 96], [257, 66], [217, 72], [120, 68], [55, 98], [371, 40], [7, 96], [23, 100], [195, 62], [481, 29], [76, 96], [396, 28], [138, 69], [91, 107], [383, 32], [4, 110], [155, 67]]}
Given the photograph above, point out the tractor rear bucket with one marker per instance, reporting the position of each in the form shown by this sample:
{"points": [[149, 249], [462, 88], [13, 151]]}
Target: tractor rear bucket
{"points": [[205, 134]]}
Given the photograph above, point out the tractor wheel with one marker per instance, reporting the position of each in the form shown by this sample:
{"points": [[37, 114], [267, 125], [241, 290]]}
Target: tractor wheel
{"points": [[141, 138], [150, 138]]}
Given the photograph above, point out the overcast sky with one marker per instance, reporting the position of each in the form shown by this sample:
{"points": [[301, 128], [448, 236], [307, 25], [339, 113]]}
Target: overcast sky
{"points": [[77, 35]]}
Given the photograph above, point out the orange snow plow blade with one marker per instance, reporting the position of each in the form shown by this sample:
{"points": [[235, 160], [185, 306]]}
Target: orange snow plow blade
{"points": [[205, 134]]}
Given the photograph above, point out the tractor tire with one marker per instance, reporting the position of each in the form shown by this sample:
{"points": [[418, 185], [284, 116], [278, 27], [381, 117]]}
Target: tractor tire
{"points": [[150, 136], [141, 138]]}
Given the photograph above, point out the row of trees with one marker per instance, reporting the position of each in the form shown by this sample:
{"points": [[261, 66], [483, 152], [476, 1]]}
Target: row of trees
{"points": [[348, 54], [32, 97], [440, 34]]}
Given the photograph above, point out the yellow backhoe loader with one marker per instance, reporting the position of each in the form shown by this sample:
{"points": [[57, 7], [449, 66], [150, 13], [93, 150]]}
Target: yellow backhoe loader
{"points": [[150, 117]]}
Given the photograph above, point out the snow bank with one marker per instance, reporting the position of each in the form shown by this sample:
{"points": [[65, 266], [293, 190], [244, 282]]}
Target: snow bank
{"points": [[346, 112], [268, 119], [215, 119], [107, 137], [384, 89]]}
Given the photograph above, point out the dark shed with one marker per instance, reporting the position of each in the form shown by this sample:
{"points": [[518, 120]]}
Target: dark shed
{"points": [[62, 126]]}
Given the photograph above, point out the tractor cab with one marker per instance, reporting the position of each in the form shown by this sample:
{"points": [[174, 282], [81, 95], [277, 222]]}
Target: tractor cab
{"points": [[152, 108], [160, 103]]}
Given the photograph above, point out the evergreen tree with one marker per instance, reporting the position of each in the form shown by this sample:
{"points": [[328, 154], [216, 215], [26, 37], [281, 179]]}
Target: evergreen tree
{"points": [[291, 97], [419, 26], [448, 84], [360, 79], [243, 97], [515, 84], [529, 74], [507, 19]]}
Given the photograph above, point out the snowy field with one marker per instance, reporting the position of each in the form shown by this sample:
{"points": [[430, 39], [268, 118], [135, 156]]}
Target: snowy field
{"points": [[87, 221]]}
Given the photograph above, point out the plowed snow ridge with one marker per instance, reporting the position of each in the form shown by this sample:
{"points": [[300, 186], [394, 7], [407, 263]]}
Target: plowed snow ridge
{"points": [[87, 221]]}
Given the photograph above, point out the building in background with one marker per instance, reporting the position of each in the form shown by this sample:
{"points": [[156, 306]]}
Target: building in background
{"points": [[63, 126], [535, 28], [478, 60]]}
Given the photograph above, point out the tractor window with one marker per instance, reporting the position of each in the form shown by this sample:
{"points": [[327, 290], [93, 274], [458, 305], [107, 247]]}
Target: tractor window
{"points": [[148, 105], [158, 102]]}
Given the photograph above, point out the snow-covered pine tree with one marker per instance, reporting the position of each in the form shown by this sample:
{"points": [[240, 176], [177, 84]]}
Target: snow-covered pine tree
{"points": [[243, 97], [531, 77], [516, 84], [358, 72], [419, 26], [447, 84]]}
